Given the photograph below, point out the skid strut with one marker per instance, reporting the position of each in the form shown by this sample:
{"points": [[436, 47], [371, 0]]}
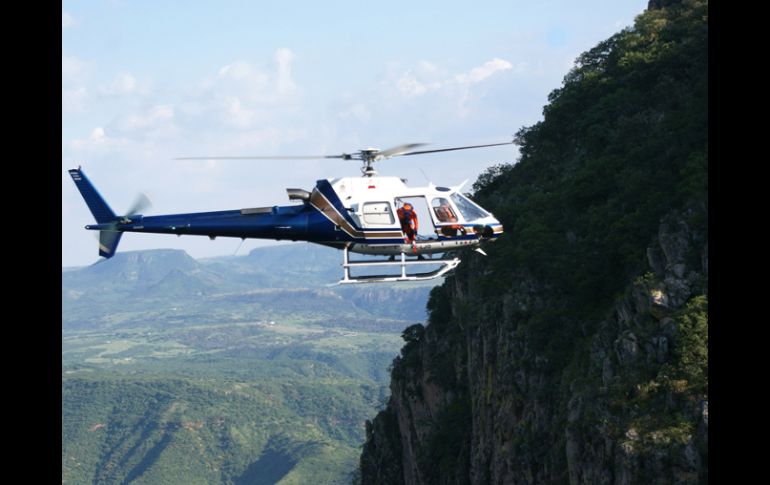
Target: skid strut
{"points": [[446, 265]]}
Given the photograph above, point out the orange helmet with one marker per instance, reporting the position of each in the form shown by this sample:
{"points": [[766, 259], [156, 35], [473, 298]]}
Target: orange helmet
{"points": [[408, 206]]}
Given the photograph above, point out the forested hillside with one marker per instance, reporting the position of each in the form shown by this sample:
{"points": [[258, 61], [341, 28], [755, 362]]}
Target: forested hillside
{"points": [[236, 370]]}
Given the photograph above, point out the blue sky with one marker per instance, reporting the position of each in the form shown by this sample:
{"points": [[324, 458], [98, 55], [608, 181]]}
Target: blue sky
{"points": [[145, 82]]}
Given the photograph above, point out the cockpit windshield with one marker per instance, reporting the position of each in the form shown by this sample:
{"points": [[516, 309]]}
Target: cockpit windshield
{"points": [[467, 208]]}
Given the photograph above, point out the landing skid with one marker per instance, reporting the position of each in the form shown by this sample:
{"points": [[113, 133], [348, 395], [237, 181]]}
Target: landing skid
{"points": [[446, 266]]}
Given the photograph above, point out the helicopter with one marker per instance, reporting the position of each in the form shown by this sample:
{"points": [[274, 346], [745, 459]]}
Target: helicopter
{"points": [[370, 215]]}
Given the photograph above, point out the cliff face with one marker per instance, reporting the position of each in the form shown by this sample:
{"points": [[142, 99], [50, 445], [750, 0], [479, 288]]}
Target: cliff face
{"points": [[485, 406], [577, 351], [641, 412]]}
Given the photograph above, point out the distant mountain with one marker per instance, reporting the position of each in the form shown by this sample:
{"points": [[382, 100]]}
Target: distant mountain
{"points": [[286, 266], [310, 258], [142, 265], [179, 283], [132, 271], [275, 282]]}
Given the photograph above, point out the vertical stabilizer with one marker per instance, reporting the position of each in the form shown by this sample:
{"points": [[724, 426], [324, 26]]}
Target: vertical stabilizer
{"points": [[108, 239], [99, 208]]}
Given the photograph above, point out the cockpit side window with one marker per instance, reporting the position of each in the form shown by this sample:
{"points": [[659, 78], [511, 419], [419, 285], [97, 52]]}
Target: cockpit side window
{"points": [[443, 210], [467, 208]]}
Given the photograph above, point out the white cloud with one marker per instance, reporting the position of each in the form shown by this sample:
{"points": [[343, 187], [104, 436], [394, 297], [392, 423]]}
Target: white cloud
{"points": [[238, 114], [123, 84], [409, 85], [73, 70], [66, 20], [98, 136], [426, 90], [156, 115], [74, 73], [478, 74], [74, 99], [241, 71], [130, 134], [269, 138], [241, 106], [284, 82], [357, 111], [427, 77], [98, 142], [256, 85], [243, 96]]}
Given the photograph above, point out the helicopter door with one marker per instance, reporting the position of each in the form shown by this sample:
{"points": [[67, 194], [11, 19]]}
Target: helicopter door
{"points": [[426, 229]]}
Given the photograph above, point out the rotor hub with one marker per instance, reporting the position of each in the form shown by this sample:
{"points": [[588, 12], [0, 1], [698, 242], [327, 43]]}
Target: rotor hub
{"points": [[369, 156]]}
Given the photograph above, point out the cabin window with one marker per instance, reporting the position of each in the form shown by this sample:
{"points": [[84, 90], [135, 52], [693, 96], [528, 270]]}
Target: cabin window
{"points": [[378, 213], [443, 211], [467, 208]]}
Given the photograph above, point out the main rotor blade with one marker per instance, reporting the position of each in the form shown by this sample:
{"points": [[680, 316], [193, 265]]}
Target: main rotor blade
{"points": [[451, 149], [398, 150], [141, 203], [284, 157], [370, 154]]}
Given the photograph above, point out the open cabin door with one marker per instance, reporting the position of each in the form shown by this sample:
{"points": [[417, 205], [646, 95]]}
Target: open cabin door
{"points": [[426, 229]]}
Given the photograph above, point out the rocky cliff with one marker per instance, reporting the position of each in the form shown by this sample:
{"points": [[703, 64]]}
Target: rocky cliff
{"points": [[577, 351], [482, 403]]}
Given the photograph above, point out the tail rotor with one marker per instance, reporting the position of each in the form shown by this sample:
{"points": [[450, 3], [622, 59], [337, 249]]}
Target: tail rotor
{"points": [[107, 221]]}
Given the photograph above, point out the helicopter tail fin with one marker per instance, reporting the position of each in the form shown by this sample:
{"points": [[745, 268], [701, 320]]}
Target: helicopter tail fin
{"points": [[99, 208]]}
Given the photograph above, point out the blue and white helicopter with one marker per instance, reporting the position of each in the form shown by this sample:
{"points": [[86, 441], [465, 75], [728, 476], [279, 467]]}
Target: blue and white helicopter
{"points": [[370, 215]]}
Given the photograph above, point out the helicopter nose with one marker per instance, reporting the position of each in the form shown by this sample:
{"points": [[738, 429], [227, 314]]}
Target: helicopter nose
{"points": [[485, 231]]}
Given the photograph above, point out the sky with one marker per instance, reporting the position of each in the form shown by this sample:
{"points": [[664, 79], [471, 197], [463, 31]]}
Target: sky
{"points": [[146, 82]]}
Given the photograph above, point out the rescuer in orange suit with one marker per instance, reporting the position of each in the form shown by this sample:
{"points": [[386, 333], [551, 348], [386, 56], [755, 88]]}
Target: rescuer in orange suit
{"points": [[408, 218]]}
